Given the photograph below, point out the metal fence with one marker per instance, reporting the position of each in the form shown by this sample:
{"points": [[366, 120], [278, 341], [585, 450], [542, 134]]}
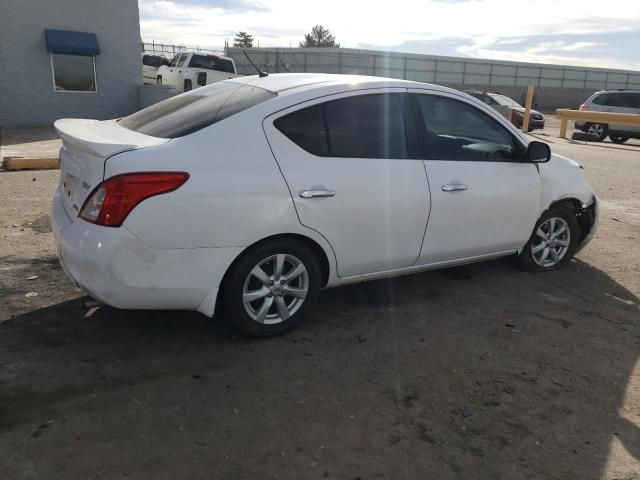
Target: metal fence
{"points": [[432, 69], [169, 51]]}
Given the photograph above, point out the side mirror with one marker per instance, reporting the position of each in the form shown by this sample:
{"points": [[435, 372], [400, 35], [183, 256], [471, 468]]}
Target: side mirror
{"points": [[538, 152]]}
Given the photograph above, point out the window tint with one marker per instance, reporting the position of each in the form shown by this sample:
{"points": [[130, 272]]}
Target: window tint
{"points": [[624, 100], [601, 99], [73, 72], [458, 131], [185, 114], [183, 57], [306, 129], [153, 60], [369, 126]]}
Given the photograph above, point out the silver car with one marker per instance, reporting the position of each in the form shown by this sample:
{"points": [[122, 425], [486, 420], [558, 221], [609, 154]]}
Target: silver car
{"points": [[616, 101]]}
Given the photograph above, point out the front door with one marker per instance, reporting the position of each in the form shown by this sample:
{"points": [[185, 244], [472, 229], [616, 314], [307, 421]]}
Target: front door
{"points": [[351, 164], [484, 199]]}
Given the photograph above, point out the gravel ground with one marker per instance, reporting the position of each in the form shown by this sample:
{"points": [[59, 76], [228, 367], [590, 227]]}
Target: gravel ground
{"points": [[474, 372]]}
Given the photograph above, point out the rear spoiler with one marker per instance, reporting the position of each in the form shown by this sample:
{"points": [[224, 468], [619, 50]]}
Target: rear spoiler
{"points": [[102, 138]]}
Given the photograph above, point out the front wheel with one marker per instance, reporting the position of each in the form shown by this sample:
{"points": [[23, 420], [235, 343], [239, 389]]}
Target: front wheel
{"points": [[553, 242], [159, 80], [598, 131], [267, 292]]}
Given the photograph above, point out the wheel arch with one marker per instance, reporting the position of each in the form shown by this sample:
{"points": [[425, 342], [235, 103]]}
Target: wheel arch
{"points": [[582, 213], [317, 249]]}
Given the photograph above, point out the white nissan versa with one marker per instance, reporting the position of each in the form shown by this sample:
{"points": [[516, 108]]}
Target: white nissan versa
{"points": [[263, 190]]}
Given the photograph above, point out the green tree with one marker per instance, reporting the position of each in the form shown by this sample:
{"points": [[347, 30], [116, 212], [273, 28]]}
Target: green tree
{"points": [[319, 37], [243, 40]]}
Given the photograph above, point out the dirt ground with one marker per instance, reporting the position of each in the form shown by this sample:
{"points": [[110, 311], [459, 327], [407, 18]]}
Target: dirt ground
{"points": [[480, 372]]}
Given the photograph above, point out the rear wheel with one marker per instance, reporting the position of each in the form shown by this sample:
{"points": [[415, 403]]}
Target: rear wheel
{"points": [[269, 289], [598, 131], [618, 139], [553, 242]]}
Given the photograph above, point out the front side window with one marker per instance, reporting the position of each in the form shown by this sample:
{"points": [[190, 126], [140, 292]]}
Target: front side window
{"points": [[458, 131], [174, 60], [73, 73], [183, 57], [185, 114], [364, 126]]}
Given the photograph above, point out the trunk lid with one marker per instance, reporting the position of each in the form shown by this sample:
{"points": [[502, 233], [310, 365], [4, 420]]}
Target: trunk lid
{"points": [[86, 145]]}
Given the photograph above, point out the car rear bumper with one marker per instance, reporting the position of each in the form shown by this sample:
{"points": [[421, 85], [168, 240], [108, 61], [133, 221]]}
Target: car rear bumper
{"points": [[116, 268]]}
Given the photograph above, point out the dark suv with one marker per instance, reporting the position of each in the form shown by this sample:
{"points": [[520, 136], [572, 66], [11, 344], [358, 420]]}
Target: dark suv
{"points": [[511, 109], [616, 101]]}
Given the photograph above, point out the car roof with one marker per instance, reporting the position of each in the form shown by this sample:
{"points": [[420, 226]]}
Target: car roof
{"points": [[281, 82], [618, 90]]}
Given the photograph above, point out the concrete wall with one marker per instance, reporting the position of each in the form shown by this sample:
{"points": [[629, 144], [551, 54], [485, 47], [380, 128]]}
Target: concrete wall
{"points": [[27, 97], [557, 85], [150, 94]]}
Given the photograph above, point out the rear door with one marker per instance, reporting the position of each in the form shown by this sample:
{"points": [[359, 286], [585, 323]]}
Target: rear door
{"points": [[484, 201], [351, 164]]}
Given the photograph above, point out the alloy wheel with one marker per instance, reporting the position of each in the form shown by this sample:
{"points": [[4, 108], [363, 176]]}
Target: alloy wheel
{"points": [[275, 289], [551, 242], [596, 130]]}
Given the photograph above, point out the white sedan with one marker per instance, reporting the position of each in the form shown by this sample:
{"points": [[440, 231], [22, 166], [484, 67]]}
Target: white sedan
{"points": [[257, 192]]}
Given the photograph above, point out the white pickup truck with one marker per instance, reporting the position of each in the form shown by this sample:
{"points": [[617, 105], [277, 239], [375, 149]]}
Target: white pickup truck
{"points": [[150, 65], [190, 70]]}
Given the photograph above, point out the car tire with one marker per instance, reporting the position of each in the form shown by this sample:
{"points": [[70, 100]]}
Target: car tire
{"points": [[598, 131], [267, 273], [618, 139], [159, 80], [553, 243]]}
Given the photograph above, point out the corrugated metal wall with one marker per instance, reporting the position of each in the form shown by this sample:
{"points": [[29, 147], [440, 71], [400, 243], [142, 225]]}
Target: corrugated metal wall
{"points": [[432, 69]]}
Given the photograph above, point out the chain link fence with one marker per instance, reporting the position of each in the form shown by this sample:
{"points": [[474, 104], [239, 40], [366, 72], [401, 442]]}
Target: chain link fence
{"points": [[168, 51]]}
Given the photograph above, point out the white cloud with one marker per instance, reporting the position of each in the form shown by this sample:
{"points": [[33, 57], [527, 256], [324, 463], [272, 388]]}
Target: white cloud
{"points": [[284, 22]]}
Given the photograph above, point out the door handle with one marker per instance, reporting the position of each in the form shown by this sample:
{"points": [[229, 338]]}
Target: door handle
{"points": [[453, 187], [316, 193]]}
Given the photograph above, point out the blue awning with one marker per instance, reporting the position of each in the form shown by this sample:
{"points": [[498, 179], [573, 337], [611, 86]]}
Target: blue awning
{"points": [[79, 43]]}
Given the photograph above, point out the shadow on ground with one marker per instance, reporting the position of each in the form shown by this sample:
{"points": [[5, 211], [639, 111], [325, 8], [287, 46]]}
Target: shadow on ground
{"points": [[478, 372]]}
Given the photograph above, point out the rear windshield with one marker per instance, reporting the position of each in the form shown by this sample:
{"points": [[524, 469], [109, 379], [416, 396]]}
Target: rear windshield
{"points": [[188, 113], [153, 60], [211, 62]]}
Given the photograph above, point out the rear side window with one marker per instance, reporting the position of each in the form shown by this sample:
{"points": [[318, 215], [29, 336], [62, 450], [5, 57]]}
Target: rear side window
{"points": [[365, 126], [211, 62], [185, 114], [622, 99]]}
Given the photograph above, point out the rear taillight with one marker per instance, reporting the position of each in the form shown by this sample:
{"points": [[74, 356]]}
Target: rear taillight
{"points": [[584, 107], [112, 200]]}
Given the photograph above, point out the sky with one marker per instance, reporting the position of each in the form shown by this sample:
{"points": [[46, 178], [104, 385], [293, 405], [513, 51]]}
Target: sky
{"points": [[567, 32]]}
